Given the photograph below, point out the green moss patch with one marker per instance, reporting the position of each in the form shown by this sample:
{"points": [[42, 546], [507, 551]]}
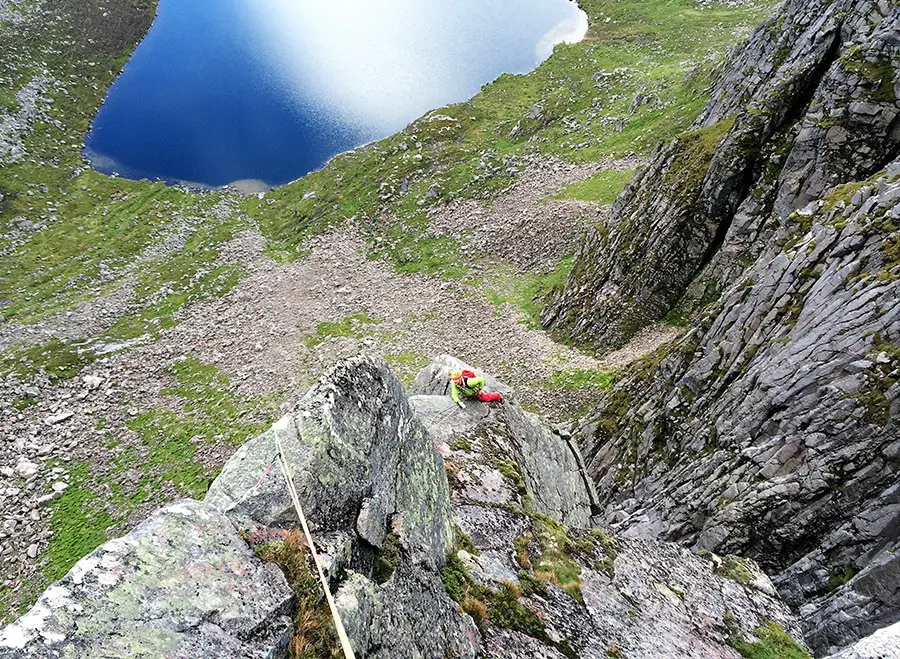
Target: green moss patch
{"points": [[582, 379], [510, 470], [839, 576], [502, 607], [873, 398], [612, 415], [550, 553], [78, 523], [60, 360], [314, 633], [773, 643], [526, 290], [406, 365], [211, 412], [386, 559], [455, 578], [734, 568], [693, 153], [877, 72], [355, 326], [602, 188]]}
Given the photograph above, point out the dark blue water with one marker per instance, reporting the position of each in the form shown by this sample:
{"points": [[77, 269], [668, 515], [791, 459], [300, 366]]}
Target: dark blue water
{"points": [[234, 90]]}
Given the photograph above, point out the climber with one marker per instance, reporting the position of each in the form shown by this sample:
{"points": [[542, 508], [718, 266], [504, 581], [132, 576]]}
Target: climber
{"points": [[470, 386]]}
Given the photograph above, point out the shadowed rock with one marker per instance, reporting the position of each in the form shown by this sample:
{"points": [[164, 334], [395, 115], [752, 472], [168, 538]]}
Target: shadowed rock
{"points": [[770, 429]]}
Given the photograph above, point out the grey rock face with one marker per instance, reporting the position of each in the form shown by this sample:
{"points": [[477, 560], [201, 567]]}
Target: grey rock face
{"points": [[529, 441], [883, 644], [810, 102], [410, 615], [770, 430], [361, 462], [640, 597], [182, 584], [869, 600]]}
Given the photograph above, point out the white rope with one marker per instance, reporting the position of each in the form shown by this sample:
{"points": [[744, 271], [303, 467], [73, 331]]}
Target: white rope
{"points": [[338, 625]]}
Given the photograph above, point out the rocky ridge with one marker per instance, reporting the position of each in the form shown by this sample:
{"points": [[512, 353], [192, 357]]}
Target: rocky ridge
{"points": [[428, 556], [808, 103], [770, 428]]}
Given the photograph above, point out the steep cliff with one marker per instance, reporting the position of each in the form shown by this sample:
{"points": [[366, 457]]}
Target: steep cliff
{"points": [[808, 103], [770, 427]]}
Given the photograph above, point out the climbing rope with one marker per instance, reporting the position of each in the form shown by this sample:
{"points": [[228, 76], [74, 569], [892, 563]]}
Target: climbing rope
{"points": [[441, 418], [338, 625]]}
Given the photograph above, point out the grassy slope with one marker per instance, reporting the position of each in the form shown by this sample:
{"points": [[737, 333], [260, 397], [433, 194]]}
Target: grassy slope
{"points": [[98, 226], [668, 49]]}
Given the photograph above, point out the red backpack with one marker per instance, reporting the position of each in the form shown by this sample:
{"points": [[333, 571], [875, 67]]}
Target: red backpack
{"points": [[468, 374]]}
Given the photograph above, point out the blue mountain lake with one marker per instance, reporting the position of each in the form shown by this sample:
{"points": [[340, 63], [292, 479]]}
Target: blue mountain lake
{"points": [[264, 91]]}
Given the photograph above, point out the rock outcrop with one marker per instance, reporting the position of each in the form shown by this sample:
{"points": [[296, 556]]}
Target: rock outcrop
{"points": [[540, 588], [183, 585], [770, 428], [465, 556], [365, 469]]}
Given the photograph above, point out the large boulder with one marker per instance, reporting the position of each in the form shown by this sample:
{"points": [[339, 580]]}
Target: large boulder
{"points": [[181, 585], [410, 615], [374, 491], [362, 465]]}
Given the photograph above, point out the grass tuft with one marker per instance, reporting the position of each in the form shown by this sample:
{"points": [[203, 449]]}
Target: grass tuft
{"points": [[773, 643], [314, 634]]}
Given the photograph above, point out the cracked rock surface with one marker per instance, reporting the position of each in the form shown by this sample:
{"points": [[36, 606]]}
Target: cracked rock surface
{"points": [[770, 428], [183, 584]]}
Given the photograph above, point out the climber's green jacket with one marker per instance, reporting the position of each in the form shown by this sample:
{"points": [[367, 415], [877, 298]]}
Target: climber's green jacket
{"points": [[469, 389]]}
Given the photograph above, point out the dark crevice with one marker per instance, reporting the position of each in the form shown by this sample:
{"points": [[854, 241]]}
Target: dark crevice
{"points": [[749, 175], [894, 152]]}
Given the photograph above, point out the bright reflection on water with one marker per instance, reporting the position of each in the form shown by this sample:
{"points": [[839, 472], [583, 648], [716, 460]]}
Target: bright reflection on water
{"points": [[228, 90]]}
